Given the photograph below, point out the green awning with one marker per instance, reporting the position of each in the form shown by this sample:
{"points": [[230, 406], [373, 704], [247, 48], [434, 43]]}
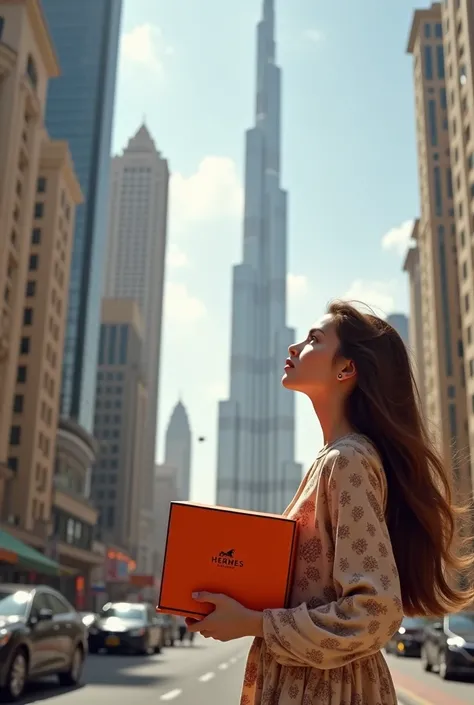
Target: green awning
{"points": [[27, 557]]}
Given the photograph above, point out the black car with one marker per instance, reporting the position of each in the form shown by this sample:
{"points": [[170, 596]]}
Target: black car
{"points": [[126, 626], [449, 646], [40, 634], [408, 639]]}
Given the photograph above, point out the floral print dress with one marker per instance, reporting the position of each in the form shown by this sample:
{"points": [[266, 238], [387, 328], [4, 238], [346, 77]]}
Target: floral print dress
{"points": [[345, 603]]}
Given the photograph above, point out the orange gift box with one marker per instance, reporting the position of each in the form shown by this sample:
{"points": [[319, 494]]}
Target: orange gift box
{"points": [[245, 555]]}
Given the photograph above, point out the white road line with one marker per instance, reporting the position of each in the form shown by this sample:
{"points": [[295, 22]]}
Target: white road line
{"points": [[223, 666], [171, 695], [206, 677]]}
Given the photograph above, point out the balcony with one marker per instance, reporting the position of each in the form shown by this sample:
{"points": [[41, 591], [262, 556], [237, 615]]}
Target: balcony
{"points": [[73, 504]]}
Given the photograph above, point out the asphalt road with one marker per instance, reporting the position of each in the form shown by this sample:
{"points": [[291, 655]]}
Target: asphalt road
{"points": [[210, 673], [415, 687]]}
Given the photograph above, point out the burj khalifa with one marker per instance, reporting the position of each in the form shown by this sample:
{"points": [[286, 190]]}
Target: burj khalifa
{"points": [[256, 469]]}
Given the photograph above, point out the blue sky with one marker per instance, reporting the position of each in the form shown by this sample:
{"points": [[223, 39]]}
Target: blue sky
{"points": [[349, 164]]}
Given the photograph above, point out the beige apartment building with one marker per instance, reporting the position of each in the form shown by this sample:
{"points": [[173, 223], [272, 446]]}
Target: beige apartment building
{"points": [[27, 62], [441, 354], [119, 425], [458, 32]]}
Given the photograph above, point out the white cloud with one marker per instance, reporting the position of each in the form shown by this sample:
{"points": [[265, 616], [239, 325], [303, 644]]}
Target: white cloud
{"points": [[314, 35], [144, 46], [297, 285], [378, 295], [181, 307], [214, 191], [397, 239], [177, 258]]}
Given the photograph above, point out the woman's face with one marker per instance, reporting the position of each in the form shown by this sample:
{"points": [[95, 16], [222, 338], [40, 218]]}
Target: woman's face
{"points": [[312, 367]]}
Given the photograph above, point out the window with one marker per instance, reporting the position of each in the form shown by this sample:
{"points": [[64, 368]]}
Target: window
{"points": [[27, 316], [31, 71], [432, 122], [25, 346], [18, 404], [21, 374], [112, 344], [39, 210], [442, 99], [15, 435], [438, 191], [445, 300], [102, 346], [2, 24], [438, 30], [36, 236], [110, 517], [440, 61], [41, 185], [30, 289], [449, 182], [428, 63], [427, 31], [33, 263], [12, 461], [58, 605], [123, 345]]}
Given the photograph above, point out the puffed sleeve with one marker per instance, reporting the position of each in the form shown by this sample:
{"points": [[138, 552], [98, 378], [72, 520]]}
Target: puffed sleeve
{"points": [[368, 610]]}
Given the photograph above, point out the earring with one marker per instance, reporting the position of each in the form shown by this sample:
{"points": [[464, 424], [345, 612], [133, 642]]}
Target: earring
{"points": [[339, 376]]}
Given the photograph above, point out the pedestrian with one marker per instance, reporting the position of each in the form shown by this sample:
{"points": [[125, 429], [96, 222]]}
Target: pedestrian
{"points": [[377, 529], [182, 629]]}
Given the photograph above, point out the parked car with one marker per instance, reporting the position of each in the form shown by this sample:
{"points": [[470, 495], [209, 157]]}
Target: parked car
{"points": [[449, 646], [88, 618], [41, 634], [408, 639], [126, 626]]}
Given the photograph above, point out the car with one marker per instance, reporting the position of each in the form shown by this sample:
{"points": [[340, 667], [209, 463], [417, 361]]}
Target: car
{"points": [[408, 639], [41, 634], [448, 646], [126, 626]]}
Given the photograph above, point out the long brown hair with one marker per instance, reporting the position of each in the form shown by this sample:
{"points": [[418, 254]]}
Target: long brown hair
{"points": [[421, 516]]}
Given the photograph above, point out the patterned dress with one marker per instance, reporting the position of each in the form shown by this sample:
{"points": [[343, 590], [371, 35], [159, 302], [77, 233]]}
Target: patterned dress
{"points": [[345, 603]]}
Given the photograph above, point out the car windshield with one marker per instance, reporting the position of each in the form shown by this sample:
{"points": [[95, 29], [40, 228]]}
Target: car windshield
{"points": [[415, 622], [14, 604], [123, 611], [461, 623]]}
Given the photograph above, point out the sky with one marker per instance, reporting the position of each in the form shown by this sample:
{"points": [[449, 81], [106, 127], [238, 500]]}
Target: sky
{"points": [[348, 162]]}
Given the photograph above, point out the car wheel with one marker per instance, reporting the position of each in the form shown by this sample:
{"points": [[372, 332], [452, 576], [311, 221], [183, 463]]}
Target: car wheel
{"points": [[425, 662], [17, 676], [74, 674]]}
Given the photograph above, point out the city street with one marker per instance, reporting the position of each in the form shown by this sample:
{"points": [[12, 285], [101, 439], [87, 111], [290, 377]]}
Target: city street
{"points": [[210, 673], [207, 673]]}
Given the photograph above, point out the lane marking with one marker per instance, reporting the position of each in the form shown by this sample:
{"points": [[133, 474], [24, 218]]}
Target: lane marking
{"points": [[223, 666], [411, 697], [206, 677], [172, 694]]}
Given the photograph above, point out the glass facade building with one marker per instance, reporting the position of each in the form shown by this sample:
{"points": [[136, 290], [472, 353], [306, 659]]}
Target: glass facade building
{"points": [[80, 110]]}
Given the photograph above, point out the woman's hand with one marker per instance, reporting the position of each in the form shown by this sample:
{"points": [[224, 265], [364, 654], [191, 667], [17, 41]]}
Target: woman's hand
{"points": [[229, 620]]}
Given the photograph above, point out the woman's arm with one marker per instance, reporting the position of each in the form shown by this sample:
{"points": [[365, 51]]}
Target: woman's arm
{"points": [[368, 610]]}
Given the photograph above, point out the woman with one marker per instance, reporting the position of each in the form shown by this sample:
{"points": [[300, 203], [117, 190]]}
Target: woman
{"points": [[376, 524]]}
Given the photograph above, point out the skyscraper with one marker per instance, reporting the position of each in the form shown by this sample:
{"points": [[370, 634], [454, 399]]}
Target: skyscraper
{"points": [[136, 252], [80, 110], [435, 234], [400, 322], [178, 449], [255, 465]]}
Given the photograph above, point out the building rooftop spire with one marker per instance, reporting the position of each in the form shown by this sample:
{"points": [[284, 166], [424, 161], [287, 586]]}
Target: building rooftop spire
{"points": [[142, 141]]}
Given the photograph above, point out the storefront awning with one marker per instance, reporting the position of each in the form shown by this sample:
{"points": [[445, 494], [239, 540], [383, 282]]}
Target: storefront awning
{"points": [[12, 550]]}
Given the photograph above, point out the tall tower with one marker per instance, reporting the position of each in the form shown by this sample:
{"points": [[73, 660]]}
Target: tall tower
{"points": [[255, 465], [80, 110], [178, 449], [136, 251], [435, 237]]}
